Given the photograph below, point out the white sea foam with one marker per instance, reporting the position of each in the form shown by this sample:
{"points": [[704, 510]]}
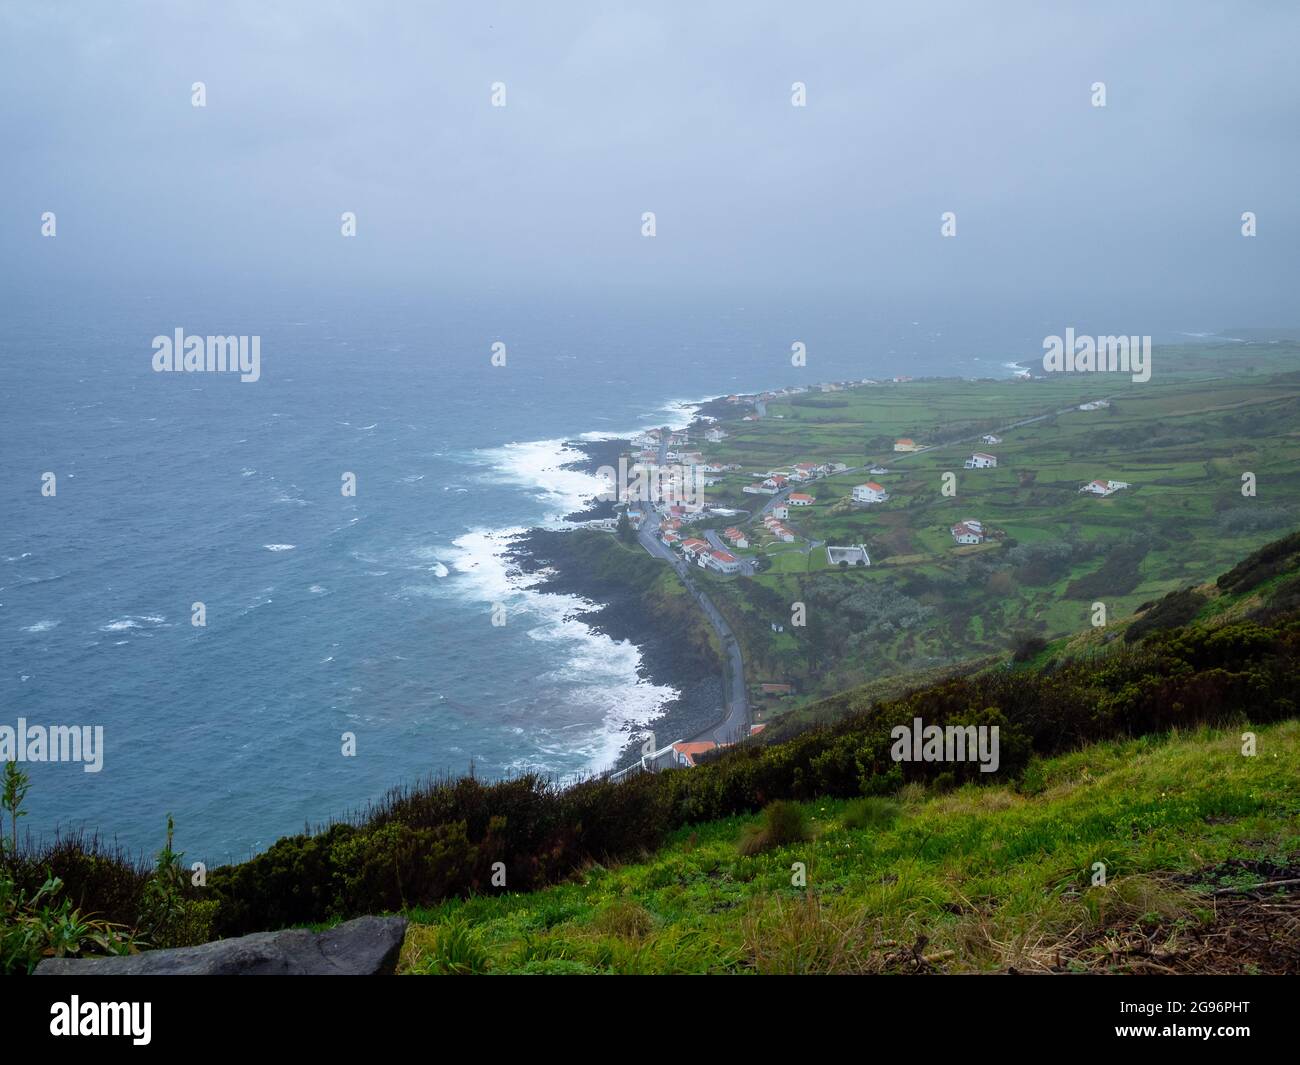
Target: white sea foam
{"points": [[41, 626], [539, 465], [132, 621], [607, 671], [279, 547]]}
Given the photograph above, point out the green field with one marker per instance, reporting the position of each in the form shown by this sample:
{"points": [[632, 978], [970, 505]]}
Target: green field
{"points": [[1184, 440]]}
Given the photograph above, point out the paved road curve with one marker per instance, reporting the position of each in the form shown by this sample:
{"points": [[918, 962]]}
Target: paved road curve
{"points": [[736, 721]]}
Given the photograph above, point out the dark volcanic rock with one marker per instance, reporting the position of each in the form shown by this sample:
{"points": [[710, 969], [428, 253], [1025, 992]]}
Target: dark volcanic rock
{"points": [[367, 946]]}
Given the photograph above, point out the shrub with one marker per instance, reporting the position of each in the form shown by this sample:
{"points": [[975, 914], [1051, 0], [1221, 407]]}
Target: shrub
{"points": [[871, 812], [626, 919], [783, 823], [1177, 608], [1025, 645], [42, 924]]}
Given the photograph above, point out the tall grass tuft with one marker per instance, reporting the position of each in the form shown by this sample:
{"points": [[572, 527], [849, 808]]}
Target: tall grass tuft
{"points": [[783, 823]]}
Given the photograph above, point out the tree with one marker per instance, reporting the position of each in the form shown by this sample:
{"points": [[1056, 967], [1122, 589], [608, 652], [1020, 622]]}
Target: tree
{"points": [[624, 530]]}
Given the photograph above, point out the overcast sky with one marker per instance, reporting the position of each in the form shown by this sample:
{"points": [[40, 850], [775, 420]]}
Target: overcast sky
{"points": [[683, 109]]}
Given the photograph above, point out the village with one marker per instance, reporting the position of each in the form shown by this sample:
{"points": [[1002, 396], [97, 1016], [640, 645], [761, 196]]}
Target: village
{"points": [[731, 541], [692, 499]]}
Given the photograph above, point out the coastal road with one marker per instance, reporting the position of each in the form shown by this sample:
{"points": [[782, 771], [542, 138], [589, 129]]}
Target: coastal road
{"points": [[735, 722]]}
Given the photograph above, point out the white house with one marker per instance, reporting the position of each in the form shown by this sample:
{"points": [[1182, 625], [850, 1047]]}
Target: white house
{"points": [[906, 443], [989, 438], [781, 512], [1104, 488], [799, 499], [737, 537], [715, 436], [968, 532], [981, 460], [722, 561], [869, 493]]}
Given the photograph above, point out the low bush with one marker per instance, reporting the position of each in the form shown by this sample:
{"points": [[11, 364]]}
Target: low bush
{"points": [[783, 823]]}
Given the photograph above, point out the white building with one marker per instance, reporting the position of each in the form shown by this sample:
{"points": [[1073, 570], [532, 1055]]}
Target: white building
{"points": [[722, 561], [1104, 488], [969, 531], [869, 493], [981, 460], [989, 438]]}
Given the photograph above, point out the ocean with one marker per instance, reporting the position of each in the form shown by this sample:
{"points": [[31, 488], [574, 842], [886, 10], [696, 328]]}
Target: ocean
{"points": [[326, 613]]}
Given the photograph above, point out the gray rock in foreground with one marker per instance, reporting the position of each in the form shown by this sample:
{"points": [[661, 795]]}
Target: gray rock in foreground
{"points": [[368, 946]]}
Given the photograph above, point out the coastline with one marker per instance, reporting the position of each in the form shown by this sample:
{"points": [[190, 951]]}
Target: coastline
{"points": [[675, 644], [672, 641], [675, 651]]}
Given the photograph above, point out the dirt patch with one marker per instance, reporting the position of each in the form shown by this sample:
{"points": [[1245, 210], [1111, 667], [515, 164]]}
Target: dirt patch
{"points": [[1253, 928]]}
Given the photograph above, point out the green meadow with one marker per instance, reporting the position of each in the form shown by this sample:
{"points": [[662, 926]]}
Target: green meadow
{"points": [[1184, 441]]}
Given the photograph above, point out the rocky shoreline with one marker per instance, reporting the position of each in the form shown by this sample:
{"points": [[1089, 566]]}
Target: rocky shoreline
{"points": [[673, 640]]}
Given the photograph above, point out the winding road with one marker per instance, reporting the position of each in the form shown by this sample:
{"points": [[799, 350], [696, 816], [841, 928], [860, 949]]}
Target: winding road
{"points": [[735, 722]]}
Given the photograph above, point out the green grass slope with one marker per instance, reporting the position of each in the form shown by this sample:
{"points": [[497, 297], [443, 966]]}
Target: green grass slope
{"points": [[978, 879]]}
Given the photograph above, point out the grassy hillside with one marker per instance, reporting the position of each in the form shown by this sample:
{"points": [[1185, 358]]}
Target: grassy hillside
{"points": [[977, 879]]}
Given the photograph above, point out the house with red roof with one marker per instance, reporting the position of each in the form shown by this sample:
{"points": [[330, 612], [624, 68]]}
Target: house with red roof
{"points": [[871, 492], [687, 752], [721, 561]]}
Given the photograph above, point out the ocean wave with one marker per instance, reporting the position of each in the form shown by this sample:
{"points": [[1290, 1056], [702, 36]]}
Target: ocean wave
{"points": [[540, 465], [132, 621], [41, 626], [280, 547], [594, 670]]}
